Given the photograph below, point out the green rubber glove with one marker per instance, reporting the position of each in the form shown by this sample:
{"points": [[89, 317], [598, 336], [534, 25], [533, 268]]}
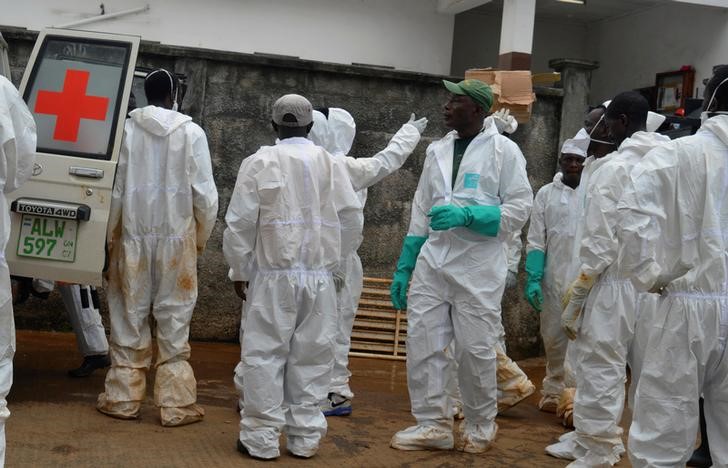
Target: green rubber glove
{"points": [[406, 264], [445, 217], [484, 220], [535, 264]]}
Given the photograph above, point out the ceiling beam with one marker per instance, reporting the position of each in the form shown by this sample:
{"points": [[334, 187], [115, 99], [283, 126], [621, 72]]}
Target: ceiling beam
{"points": [[453, 7]]}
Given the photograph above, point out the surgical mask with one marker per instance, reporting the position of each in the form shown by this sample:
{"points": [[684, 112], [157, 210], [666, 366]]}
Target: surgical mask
{"points": [[706, 114], [594, 128]]}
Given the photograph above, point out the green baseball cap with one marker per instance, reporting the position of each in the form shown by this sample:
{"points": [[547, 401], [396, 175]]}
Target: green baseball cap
{"points": [[476, 89]]}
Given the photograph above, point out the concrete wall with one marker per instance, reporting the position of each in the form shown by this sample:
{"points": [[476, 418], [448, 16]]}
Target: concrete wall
{"points": [[632, 49], [231, 95], [477, 37], [406, 34]]}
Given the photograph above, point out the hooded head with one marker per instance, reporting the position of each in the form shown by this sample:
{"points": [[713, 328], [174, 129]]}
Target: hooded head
{"points": [[335, 133]]}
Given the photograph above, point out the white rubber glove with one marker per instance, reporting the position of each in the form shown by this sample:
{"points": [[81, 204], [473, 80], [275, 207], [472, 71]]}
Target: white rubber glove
{"points": [[504, 121], [339, 279], [419, 124], [571, 320], [573, 304], [511, 280]]}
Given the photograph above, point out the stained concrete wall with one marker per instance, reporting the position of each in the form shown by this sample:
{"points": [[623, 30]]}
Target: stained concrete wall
{"points": [[231, 95]]}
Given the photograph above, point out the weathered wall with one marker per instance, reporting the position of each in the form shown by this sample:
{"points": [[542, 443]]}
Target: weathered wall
{"points": [[231, 95]]}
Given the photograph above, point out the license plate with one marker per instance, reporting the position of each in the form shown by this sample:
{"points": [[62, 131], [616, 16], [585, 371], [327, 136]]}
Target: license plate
{"points": [[48, 238]]}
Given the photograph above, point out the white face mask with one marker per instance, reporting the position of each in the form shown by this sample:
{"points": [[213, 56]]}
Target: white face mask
{"points": [[595, 127], [706, 114]]}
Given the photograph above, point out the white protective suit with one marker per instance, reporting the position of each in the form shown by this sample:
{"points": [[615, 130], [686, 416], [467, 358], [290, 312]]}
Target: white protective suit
{"points": [[163, 209], [603, 344], [552, 230], [458, 281], [82, 307], [17, 155], [673, 231], [336, 135], [513, 384], [292, 216]]}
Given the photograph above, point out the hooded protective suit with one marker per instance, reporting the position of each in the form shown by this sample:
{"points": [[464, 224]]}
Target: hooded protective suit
{"points": [[458, 283], [292, 216], [336, 135], [513, 385], [603, 344], [673, 235], [17, 155], [163, 209], [551, 231]]}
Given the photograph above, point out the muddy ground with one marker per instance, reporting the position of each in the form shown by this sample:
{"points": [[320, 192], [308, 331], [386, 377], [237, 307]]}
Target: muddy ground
{"points": [[54, 421]]}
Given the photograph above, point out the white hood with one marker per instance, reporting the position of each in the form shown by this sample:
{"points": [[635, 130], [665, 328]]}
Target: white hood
{"points": [[719, 126], [158, 120], [642, 142], [335, 134]]}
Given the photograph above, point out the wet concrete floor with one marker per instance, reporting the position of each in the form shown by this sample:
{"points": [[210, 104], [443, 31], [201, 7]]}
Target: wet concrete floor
{"points": [[54, 421]]}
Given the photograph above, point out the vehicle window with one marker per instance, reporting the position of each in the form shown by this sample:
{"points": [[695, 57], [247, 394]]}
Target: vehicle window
{"points": [[74, 92]]}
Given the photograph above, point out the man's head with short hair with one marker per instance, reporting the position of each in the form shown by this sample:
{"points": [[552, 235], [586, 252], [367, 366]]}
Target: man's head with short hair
{"points": [[626, 114], [292, 116], [160, 87], [718, 85]]}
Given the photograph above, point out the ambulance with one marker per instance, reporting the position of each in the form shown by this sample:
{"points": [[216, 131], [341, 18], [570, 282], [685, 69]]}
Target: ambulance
{"points": [[77, 85]]}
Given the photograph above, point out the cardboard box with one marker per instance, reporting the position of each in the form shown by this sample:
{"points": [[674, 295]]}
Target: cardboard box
{"points": [[512, 89]]}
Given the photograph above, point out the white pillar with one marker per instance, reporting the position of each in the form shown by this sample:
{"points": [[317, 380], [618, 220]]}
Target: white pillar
{"points": [[516, 40]]}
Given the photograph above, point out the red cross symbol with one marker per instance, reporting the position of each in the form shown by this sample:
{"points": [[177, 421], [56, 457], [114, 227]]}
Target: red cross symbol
{"points": [[71, 105]]}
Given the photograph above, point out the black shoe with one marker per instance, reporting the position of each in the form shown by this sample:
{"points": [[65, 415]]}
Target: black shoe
{"points": [[90, 364], [700, 458]]}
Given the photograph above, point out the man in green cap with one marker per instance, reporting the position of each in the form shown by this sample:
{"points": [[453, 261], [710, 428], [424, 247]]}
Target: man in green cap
{"points": [[472, 196]]}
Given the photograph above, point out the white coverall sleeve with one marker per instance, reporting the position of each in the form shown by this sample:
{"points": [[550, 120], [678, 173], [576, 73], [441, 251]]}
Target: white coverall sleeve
{"points": [[117, 193], [537, 234], [348, 209], [515, 191], [365, 172], [599, 246], [513, 251], [422, 202], [643, 217], [19, 144], [238, 240], [204, 192]]}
